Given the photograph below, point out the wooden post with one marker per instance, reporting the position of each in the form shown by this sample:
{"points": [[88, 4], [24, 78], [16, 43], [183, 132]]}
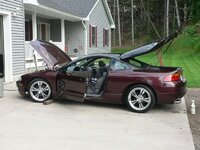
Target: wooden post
{"points": [[160, 58]]}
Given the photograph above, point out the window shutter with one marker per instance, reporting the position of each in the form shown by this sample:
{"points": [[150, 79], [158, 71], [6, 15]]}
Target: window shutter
{"points": [[90, 36], [96, 36]]}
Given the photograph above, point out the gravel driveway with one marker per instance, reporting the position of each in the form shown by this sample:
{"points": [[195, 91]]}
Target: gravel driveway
{"points": [[194, 94]]}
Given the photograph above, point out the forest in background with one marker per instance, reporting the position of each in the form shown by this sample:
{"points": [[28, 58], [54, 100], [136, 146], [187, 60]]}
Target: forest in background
{"points": [[139, 21]]}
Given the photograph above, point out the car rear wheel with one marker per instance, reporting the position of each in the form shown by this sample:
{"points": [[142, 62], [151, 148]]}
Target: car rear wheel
{"points": [[140, 98], [39, 90]]}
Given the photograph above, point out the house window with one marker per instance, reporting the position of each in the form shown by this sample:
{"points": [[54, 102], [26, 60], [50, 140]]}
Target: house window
{"points": [[93, 36], [105, 37], [44, 31], [28, 30]]}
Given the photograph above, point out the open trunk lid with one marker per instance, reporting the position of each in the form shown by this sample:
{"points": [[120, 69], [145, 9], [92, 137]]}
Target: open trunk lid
{"points": [[149, 47]]}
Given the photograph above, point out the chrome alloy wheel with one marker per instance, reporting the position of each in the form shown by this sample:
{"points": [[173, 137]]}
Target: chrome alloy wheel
{"points": [[40, 91], [139, 98]]}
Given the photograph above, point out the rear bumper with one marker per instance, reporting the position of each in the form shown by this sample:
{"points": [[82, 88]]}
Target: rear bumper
{"points": [[172, 92]]}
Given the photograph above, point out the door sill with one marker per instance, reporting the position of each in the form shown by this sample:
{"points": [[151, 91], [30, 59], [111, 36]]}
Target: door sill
{"points": [[93, 95], [96, 96]]}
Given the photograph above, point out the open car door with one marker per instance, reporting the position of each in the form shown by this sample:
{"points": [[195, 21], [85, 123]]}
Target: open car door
{"points": [[72, 85]]}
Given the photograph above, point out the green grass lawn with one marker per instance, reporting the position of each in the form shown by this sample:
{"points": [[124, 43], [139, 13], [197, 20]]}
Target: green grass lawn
{"points": [[184, 52]]}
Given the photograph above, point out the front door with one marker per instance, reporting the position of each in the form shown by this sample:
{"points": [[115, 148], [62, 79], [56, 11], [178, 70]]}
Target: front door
{"points": [[72, 85], [1, 45]]}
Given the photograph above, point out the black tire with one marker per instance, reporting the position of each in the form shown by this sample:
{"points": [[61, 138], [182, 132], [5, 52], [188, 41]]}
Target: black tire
{"points": [[140, 98], [39, 90]]}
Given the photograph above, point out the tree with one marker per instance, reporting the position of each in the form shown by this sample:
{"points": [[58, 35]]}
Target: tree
{"points": [[114, 14], [136, 19], [119, 25], [132, 18], [177, 14], [167, 17]]}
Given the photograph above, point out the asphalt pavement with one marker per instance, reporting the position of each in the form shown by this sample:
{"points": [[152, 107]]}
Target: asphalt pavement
{"points": [[67, 125]]}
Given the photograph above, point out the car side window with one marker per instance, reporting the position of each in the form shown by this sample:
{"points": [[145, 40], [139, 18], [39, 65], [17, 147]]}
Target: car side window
{"points": [[118, 65], [100, 62]]}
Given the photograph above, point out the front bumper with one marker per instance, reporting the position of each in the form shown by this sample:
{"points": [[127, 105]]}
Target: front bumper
{"points": [[21, 88]]}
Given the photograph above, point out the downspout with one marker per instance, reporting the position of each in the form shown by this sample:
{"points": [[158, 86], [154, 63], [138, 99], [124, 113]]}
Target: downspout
{"points": [[85, 37]]}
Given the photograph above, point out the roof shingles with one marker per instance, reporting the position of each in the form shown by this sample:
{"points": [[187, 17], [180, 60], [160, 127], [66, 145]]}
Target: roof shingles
{"points": [[80, 8]]}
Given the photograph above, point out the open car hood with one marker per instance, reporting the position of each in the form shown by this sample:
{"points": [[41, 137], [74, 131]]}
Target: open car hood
{"points": [[149, 47], [51, 54]]}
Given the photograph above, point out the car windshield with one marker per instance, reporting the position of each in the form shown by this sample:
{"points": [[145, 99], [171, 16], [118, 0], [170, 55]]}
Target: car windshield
{"points": [[56, 66]]}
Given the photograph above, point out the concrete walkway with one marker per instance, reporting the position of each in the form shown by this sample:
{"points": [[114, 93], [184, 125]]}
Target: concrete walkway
{"points": [[66, 125]]}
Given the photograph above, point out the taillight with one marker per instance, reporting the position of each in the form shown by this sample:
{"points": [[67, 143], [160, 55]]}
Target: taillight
{"points": [[174, 77]]}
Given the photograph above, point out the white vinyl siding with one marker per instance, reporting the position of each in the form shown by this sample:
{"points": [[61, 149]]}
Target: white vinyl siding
{"points": [[74, 33], [99, 18], [17, 25]]}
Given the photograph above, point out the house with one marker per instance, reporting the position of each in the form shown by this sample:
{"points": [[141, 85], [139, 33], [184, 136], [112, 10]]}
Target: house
{"points": [[82, 25], [12, 37]]}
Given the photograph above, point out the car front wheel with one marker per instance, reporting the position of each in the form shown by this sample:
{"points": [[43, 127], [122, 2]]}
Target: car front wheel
{"points": [[39, 90], [140, 98]]}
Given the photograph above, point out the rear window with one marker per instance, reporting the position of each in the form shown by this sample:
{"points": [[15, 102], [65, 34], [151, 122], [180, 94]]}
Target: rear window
{"points": [[118, 65], [134, 63]]}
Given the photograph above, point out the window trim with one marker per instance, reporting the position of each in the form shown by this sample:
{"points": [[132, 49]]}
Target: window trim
{"points": [[40, 30], [91, 36], [106, 39], [30, 30]]}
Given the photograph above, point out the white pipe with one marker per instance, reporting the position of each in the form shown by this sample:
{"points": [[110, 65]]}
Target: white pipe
{"points": [[193, 112]]}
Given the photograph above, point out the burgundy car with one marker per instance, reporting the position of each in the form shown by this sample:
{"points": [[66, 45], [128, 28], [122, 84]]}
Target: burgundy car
{"points": [[109, 78]]}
